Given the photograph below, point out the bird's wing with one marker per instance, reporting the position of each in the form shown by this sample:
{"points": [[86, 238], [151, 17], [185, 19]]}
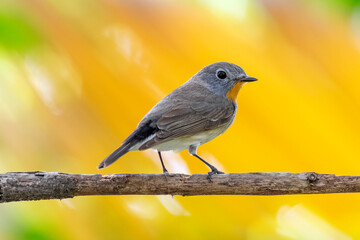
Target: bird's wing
{"points": [[187, 119]]}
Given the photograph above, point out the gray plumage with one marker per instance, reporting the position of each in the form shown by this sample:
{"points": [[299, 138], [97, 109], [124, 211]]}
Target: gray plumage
{"points": [[191, 115]]}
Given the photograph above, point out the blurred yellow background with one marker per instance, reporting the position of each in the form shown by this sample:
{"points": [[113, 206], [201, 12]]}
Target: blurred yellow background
{"points": [[77, 76]]}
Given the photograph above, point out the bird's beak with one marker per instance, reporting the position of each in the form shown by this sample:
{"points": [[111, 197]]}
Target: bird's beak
{"points": [[248, 79]]}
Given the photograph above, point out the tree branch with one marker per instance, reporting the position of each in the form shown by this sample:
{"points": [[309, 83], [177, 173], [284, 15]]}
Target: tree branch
{"points": [[21, 186]]}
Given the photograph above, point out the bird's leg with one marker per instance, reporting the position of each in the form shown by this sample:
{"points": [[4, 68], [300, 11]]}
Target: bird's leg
{"points": [[192, 151], [213, 169], [163, 166]]}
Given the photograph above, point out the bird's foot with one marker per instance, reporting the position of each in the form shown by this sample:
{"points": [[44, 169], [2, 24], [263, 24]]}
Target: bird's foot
{"points": [[166, 173], [214, 171]]}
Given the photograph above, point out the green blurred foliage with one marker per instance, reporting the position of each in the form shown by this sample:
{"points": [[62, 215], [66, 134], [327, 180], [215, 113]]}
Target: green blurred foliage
{"points": [[17, 32]]}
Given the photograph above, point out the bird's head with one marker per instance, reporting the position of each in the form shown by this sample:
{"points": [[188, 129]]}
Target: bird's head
{"points": [[223, 78]]}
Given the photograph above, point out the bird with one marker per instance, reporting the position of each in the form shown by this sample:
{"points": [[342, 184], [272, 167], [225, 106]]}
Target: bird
{"points": [[195, 113]]}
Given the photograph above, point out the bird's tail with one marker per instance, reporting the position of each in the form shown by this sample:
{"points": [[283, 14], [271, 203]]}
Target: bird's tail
{"points": [[115, 155], [142, 132]]}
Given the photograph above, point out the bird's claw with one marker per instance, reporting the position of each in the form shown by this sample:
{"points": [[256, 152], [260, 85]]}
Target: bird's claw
{"points": [[166, 173], [214, 171]]}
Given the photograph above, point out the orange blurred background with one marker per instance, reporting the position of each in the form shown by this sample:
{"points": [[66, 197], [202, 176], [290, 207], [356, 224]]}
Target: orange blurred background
{"points": [[77, 76]]}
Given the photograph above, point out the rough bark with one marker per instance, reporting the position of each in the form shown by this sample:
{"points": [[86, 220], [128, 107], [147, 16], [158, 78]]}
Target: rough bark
{"points": [[23, 186]]}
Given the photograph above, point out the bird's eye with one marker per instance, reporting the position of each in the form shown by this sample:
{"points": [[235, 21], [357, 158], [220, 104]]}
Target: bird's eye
{"points": [[221, 74]]}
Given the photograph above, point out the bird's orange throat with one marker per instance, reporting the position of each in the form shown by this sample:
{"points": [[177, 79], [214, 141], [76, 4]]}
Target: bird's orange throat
{"points": [[232, 94]]}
